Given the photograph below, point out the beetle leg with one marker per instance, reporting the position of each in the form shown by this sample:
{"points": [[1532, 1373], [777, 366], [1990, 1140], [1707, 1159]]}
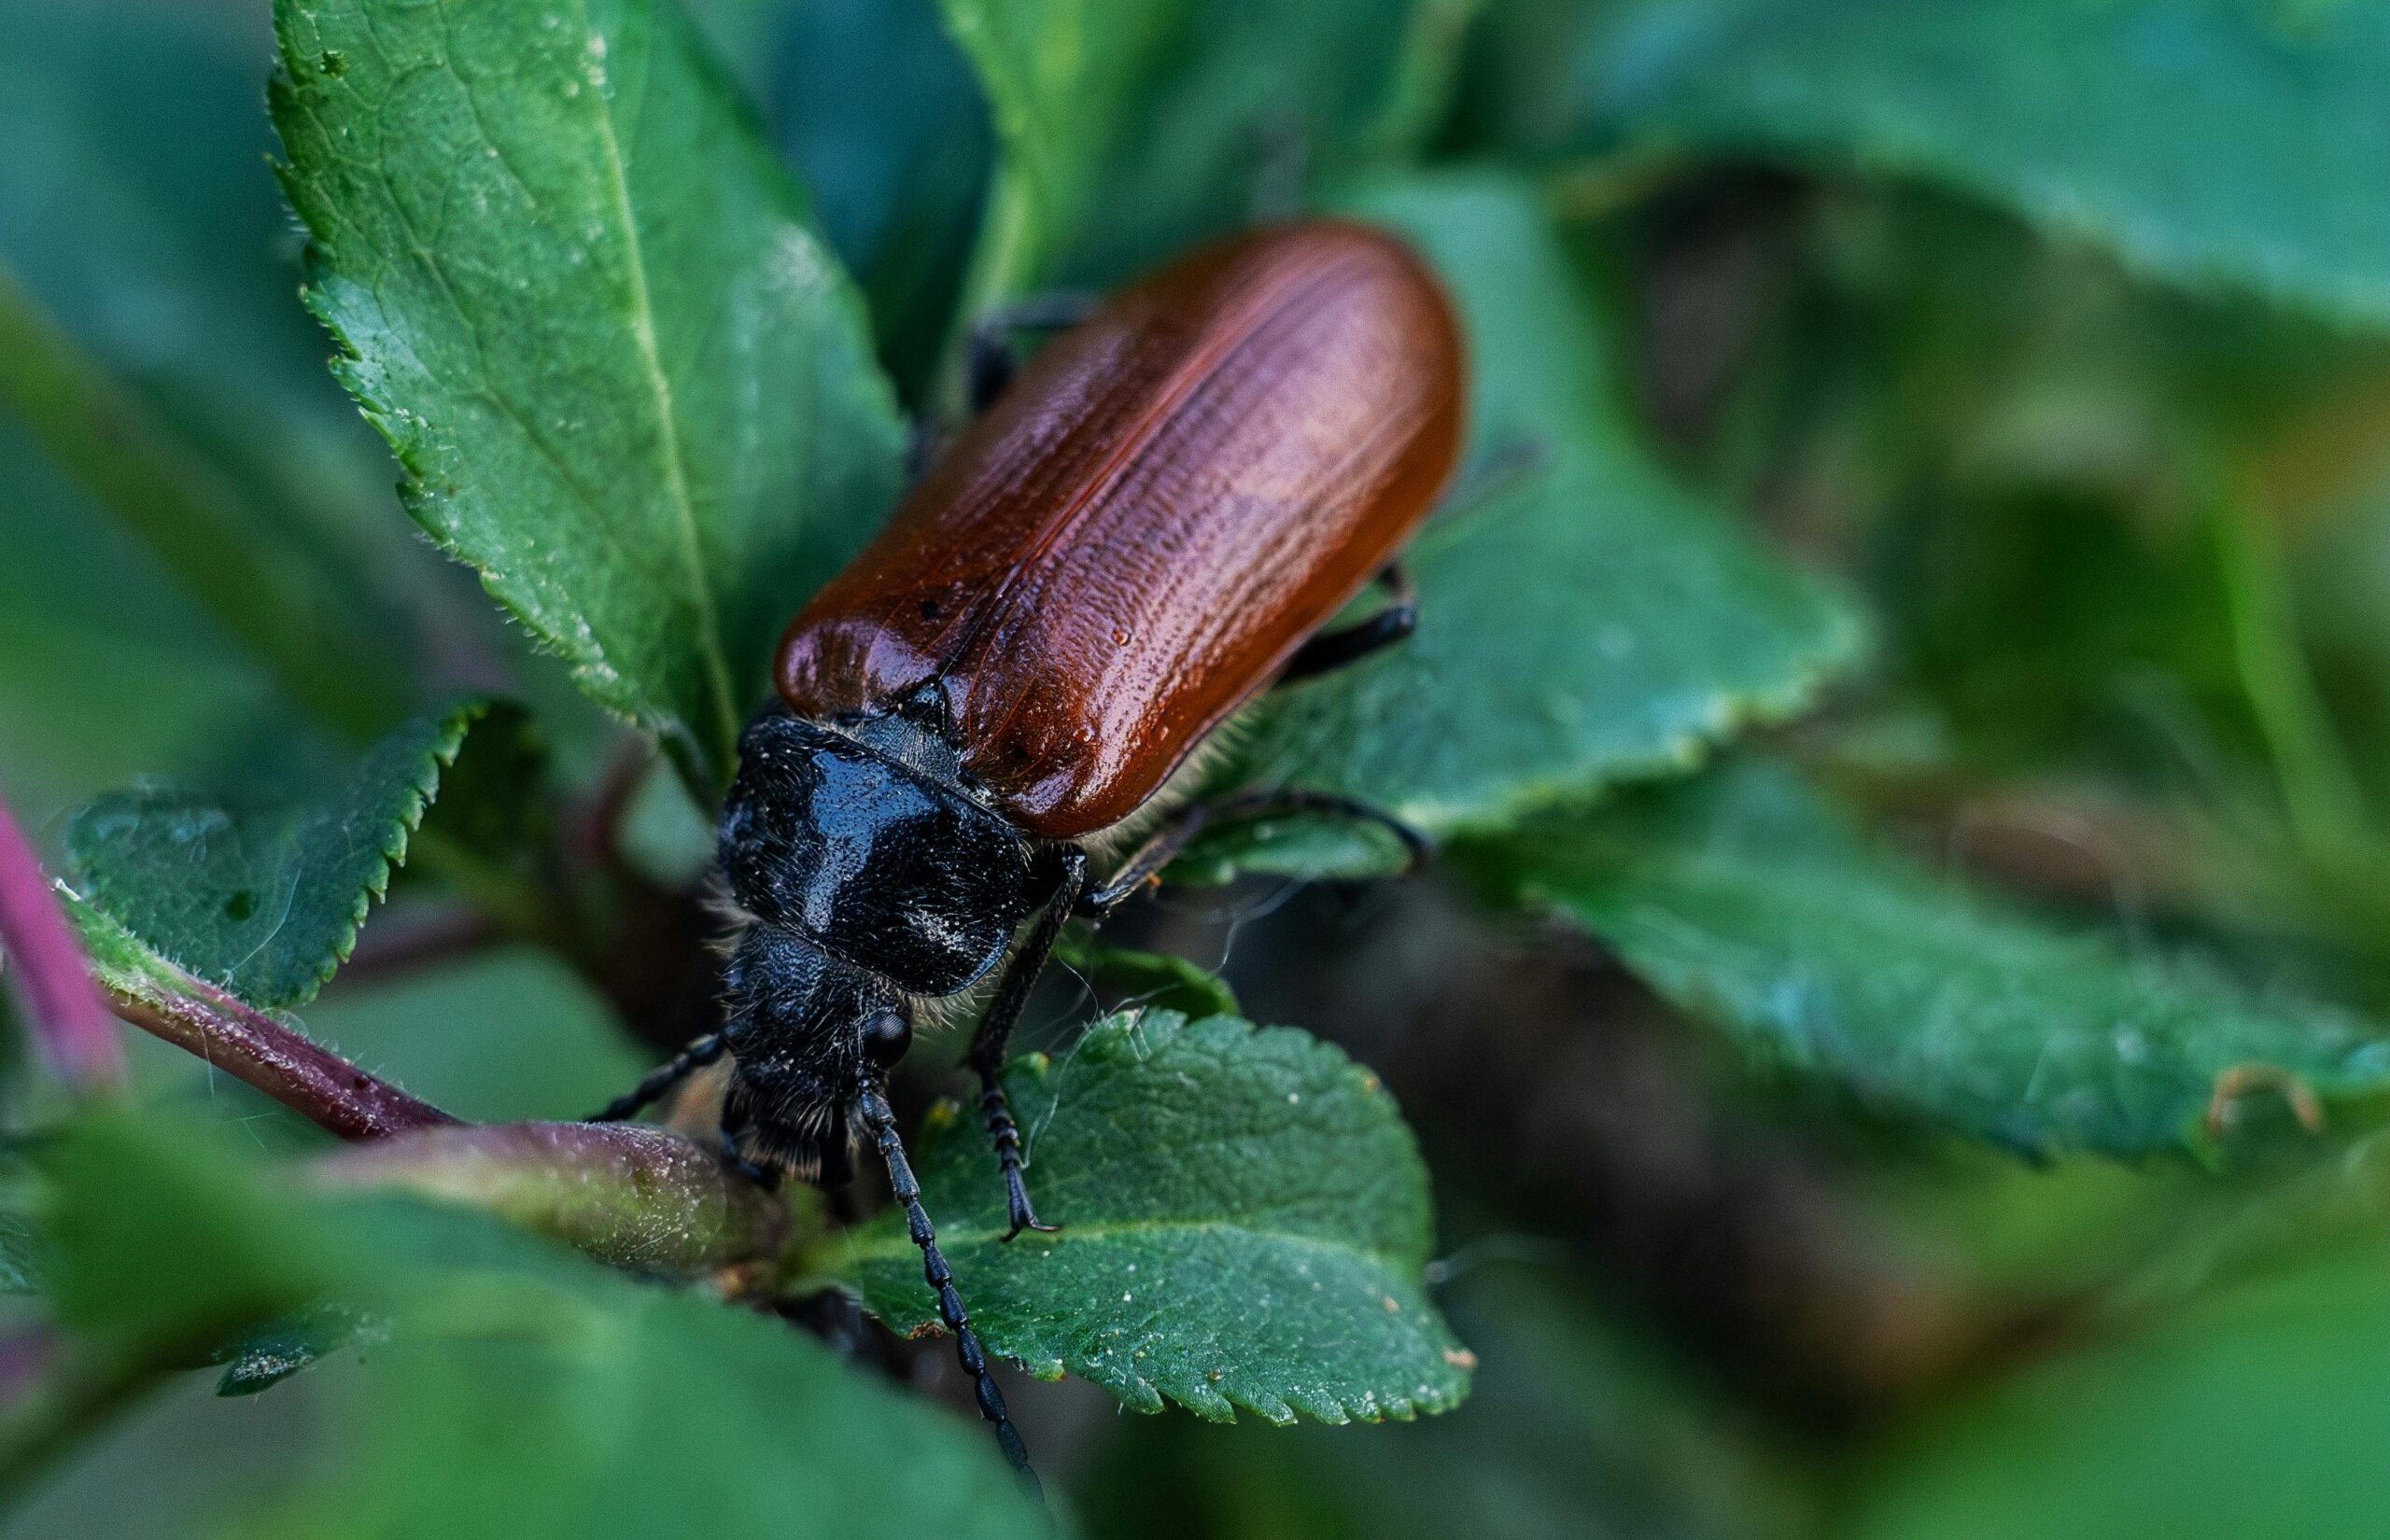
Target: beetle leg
{"points": [[993, 360], [880, 1122], [656, 1081], [1333, 650], [1146, 863], [995, 1031]]}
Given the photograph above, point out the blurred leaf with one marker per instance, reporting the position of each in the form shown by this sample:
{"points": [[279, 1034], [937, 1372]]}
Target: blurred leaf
{"points": [[1743, 899], [1157, 979], [880, 113], [1577, 1425], [2232, 143], [504, 1036], [139, 219], [1245, 1220], [523, 1392], [2251, 1412], [160, 1237], [1131, 131], [265, 901], [586, 306], [1583, 617], [107, 670], [249, 577], [19, 1254]]}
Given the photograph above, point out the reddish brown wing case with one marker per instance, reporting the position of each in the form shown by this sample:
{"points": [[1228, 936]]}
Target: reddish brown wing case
{"points": [[1165, 504]]}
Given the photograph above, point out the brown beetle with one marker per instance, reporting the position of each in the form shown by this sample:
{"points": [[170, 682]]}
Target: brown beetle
{"points": [[1146, 530]]}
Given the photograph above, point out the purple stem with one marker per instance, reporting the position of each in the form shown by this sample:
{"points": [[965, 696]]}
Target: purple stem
{"points": [[66, 1009], [254, 1048]]}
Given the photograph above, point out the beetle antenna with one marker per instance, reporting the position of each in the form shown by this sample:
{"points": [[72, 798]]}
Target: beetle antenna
{"points": [[880, 1119]]}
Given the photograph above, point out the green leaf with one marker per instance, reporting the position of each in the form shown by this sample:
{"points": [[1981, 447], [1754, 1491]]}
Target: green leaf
{"points": [[577, 294], [2251, 1412], [1244, 1221], [1583, 617], [266, 900], [1131, 131], [1743, 899], [264, 1358], [21, 1268], [1157, 979], [2231, 143], [522, 1392]]}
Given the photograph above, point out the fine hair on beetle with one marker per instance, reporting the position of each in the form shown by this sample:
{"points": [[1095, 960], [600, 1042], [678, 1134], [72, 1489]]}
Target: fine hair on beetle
{"points": [[1016, 681]]}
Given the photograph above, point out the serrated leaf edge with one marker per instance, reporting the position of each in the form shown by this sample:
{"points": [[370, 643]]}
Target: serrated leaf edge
{"points": [[423, 790], [1144, 1393]]}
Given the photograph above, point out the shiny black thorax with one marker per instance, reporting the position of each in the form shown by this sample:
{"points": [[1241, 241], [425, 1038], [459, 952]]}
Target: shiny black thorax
{"points": [[873, 879]]}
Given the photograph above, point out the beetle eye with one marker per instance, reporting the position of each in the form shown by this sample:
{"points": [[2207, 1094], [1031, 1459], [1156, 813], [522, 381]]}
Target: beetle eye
{"points": [[886, 1035]]}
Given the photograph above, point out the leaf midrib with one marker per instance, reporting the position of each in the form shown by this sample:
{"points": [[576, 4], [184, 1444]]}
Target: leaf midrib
{"points": [[709, 644], [880, 1249]]}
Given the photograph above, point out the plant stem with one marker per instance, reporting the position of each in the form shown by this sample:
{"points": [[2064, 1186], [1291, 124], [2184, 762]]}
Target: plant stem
{"points": [[2319, 790], [634, 1196], [66, 1010], [253, 1048]]}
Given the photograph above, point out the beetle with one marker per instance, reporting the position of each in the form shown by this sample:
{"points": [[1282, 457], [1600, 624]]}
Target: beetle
{"points": [[1150, 526]]}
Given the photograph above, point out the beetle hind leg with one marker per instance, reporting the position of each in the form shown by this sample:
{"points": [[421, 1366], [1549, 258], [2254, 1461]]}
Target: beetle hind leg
{"points": [[1333, 649]]}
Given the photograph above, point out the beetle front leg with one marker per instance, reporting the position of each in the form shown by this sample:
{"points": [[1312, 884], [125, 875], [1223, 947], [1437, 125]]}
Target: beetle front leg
{"points": [[994, 1033], [659, 1081]]}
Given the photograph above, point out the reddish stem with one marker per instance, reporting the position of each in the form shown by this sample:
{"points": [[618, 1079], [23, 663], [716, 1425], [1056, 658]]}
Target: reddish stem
{"points": [[254, 1048], [67, 1011]]}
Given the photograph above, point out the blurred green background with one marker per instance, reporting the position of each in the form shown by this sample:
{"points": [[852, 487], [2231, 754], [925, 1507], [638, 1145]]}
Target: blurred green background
{"points": [[2055, 332]]}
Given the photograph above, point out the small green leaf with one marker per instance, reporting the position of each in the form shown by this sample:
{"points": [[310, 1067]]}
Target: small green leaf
{"points": [[1244, 1223], [2231, 143], [522, 1391], [1583, 617], [265, 901], [580, 298], [1157, 979], [1130, 130], [1742, 898]]}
